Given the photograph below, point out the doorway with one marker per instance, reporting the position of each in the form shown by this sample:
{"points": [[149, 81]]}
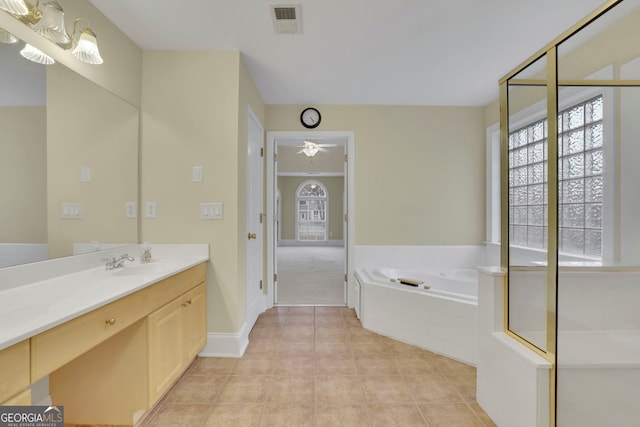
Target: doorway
{"points": [[309, 235]]}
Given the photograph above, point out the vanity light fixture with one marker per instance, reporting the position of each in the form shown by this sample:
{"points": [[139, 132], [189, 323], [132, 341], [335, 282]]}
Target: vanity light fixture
{"points": [[48, 21], [51, 24], [86, 44], [16, 7], [7, 38], [36, 55]]}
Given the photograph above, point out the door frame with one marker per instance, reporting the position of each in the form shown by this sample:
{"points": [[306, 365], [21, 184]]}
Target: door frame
{"points": [[272, 138]]}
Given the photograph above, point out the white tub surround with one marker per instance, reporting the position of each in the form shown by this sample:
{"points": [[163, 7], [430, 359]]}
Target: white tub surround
{"points": [[36, 297], [408, 257], [437, 320], [513, 381]]}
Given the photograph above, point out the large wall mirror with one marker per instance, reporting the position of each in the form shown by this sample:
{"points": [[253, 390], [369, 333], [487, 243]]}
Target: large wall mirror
{"points": [[68, 163]]}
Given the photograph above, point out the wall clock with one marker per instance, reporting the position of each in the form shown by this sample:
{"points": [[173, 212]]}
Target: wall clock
{"points": [[310, 118]]}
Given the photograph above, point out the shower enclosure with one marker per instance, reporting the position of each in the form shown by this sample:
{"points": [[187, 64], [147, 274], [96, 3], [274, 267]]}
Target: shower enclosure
{"points": [[570, 164]]}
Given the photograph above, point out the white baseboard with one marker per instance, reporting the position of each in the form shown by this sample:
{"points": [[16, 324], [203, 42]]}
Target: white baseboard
{"points": [[226, 344]]}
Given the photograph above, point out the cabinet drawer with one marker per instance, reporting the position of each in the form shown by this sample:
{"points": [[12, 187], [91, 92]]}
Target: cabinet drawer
{"points": [[14, 369], [58, 346], [174, 286]]}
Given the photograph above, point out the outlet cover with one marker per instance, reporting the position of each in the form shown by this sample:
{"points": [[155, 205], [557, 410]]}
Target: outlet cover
{"points": [[150, 210], [131, 209], [197, 174]]}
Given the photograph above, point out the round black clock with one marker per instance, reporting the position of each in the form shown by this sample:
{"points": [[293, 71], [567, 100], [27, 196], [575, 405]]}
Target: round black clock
{"points": [[310, 118]]}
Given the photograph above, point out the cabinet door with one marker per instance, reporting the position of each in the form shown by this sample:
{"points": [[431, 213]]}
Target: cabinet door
{"points": [[164, 351], [195, 322]]}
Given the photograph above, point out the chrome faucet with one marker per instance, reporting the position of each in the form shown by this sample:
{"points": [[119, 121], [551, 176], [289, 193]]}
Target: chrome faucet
{"points": [[117, 262]]}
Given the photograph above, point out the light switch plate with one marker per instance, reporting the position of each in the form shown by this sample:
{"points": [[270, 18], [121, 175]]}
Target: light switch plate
{"points": [[150, 210], [209, 211], [71, 210]]}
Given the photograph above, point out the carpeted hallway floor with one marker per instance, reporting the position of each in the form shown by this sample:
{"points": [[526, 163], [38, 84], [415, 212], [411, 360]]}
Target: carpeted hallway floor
{"points": [[310, 275]]}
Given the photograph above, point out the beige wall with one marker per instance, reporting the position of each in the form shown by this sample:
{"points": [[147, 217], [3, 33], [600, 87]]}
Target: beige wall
{"points": [[195, 114], [96, 130], [419, 171], [288, 187], [23, 180]]}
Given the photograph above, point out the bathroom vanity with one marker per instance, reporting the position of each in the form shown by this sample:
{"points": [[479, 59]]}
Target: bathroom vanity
{"points": [[111, 346]]}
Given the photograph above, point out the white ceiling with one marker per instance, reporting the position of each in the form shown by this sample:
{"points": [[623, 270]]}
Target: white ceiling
{"points": [[394, 52]]}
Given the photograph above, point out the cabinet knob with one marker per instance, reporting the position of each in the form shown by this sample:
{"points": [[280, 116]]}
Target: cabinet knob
{"points": [[111, 321]]}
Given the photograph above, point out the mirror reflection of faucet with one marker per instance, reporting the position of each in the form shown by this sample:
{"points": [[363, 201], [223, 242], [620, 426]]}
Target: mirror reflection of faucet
{"points": [[113, 263]]}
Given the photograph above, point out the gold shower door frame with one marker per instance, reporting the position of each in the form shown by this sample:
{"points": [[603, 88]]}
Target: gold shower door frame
{"points": [[552, 83]]}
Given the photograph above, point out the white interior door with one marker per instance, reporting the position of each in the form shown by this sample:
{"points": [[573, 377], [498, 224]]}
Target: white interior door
{"points": [[277, 223], [345, 224], [255, 295]]}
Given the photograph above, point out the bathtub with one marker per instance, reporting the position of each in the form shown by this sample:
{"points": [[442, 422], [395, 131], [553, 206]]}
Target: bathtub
{"points": [[442, 318]]}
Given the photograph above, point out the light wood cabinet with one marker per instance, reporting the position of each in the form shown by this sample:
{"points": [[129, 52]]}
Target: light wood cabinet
{"points": [[124, 374], [195, 323], [53, 348], [176, 333], [108, 384], [14, 369], [21, 399]]}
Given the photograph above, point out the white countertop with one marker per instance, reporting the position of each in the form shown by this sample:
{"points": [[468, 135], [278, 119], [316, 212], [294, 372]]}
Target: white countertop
{"points": [[29, 309]]}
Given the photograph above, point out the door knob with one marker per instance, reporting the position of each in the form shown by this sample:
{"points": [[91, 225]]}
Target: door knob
{"points": [[252, 236]]}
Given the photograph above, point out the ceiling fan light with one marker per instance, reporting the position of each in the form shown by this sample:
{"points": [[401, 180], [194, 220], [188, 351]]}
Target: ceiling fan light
{"points": [[17, 7], [87, 48], [311, 150], [51, 25], [35, 55], [7, 38]]}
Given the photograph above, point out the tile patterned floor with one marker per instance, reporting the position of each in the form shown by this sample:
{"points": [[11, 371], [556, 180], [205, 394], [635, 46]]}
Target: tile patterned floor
{"points": [[317, 366]]}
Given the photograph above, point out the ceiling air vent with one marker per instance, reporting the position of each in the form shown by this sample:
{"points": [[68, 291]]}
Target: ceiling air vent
{"points": [[286, 18]]}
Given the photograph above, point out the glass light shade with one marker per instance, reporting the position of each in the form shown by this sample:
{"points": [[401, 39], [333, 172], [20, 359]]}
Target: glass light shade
{"points": [[87, 48], [51, 25], [7, 38], [32, 54], [17, 7]]}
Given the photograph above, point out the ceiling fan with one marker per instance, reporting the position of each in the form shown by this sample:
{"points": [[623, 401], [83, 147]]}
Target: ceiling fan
{"points": [[311, 148]]}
